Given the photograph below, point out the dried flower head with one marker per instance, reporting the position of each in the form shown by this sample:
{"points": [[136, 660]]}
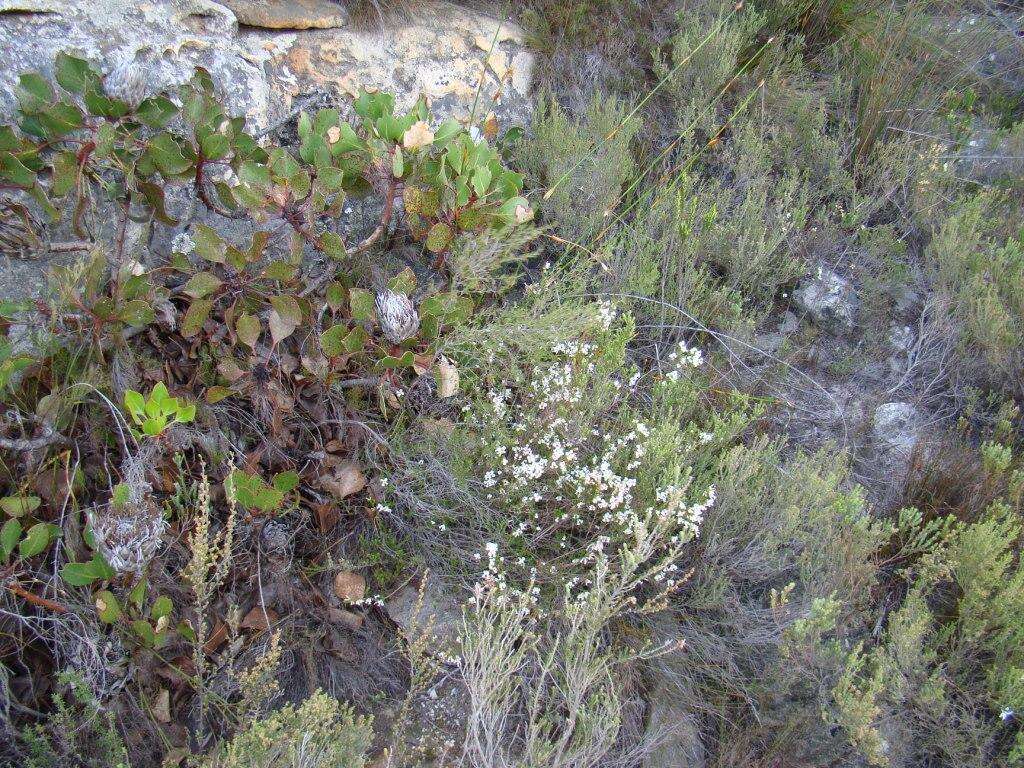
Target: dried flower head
{"points": [[418, 135], [127, 533], [128, 80], [398, 318]]}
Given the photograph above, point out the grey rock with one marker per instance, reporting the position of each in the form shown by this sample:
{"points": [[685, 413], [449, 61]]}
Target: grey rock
{"points": [[897, 428], [830, 300], [790, 324], [142, 47], [439, 609], [261, 73], [991, 155]]}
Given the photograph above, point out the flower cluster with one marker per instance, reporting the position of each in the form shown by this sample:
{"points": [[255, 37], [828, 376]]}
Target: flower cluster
{"points": [[681, 358], [572, 461]]}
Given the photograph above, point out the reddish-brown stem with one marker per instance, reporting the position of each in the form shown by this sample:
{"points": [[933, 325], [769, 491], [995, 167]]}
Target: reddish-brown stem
{"points": [[35, 599], [201, 162], [385, 219]]}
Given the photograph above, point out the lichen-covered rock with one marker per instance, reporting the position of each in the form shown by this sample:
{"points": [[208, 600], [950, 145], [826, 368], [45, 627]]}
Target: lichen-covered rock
{"points": [[464, 62], [455, 57], [830, 300], [288, 14], [161, 41], [897, 428]]}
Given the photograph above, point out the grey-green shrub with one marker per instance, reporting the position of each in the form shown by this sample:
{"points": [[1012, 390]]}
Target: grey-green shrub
{"points": [[585, 161]]}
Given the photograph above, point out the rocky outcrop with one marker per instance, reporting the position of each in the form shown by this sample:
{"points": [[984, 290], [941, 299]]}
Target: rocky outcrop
{"points": [[897, 428], [830, 300], [288, 14], [267, 58], [263, 54]]}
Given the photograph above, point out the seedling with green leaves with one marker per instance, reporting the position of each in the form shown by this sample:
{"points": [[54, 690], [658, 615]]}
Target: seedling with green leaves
{"points": [[154, 414]]}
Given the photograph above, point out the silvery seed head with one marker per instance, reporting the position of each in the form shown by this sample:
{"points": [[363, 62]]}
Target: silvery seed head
{"points": [[128, 80], [398, 318]]}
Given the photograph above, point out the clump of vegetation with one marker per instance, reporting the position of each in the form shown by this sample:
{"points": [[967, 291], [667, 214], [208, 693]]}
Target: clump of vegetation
{"points": [[280, 487]]}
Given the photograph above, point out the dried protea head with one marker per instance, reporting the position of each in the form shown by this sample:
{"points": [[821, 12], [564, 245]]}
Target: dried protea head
{"points": [[397, 314], [128, 80], [127, 532]]}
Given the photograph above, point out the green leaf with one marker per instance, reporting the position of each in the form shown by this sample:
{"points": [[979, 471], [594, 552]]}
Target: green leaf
{"points": [[446, 132], [34, 93], [304, 126], [348, 141], [252, 493], [65, 173], [138, 594], [215, 146], [106, 135], [194, 318], [18, 506], [135, 403], [300, 184], [167, 155], [371, 106], [160, 396], [9, 140], [156, 112], [209, 244], [403, 282], [108, 610], [248, 329], [145, 631], [81, 574], [286, 481], [315, 151], [202, 284], [335, 295], [360, 304], [333, 340], [12, 169], [161, 607], [331, 179], [339, 340], [60, 120], [325, 120], [154, 426], [37, 538], [121, 495], [9, 535], [137, 313], [73, 74], [186, 413], [101, 105], [397, 163], [216, 394], [333, 245], [405, 361], [254, 174], [279, 270], [285, 317], [481, 180]]}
